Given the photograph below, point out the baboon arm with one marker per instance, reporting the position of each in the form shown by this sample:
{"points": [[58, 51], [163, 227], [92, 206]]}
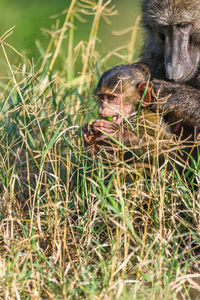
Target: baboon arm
{"points": [[183, 101]]}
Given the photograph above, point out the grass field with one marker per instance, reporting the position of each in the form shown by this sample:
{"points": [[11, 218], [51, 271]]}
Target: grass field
{"points": [[67, 229]]}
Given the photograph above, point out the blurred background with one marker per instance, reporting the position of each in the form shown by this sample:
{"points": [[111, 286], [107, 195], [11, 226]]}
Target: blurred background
{"points": [[33, 18]]}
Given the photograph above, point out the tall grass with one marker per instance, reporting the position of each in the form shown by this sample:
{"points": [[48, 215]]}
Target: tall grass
{"points": [[71, 228]]}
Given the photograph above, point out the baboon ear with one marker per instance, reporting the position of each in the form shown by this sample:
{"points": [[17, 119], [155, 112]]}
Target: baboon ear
{"points": [[141, 88]]}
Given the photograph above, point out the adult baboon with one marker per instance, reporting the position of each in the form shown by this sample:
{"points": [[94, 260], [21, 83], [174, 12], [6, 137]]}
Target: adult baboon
{"points": [[172, 50], [172, 45]]}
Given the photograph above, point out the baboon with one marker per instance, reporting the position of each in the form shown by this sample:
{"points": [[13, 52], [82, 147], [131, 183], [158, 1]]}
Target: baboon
{"points": [[172, 50], [119, 94], [121, 98], [172, 45]]}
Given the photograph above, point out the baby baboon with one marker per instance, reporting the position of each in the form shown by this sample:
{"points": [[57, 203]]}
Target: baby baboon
{"points": [[119, 92], [172, 46], [134, 119], [118, 97]]}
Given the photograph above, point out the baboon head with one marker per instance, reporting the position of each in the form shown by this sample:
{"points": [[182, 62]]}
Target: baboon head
{"points": [[120, 89], [173, 32]]}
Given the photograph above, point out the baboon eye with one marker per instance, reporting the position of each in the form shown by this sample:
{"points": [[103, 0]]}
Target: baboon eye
{"points": [[183, 25], [111, 97]]}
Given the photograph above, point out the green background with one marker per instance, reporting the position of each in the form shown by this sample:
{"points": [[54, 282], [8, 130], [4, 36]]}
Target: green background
{"points": [[29, 16]]}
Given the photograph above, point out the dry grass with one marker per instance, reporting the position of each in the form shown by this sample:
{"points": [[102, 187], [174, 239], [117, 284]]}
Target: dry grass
{"points": [[66, 232]]}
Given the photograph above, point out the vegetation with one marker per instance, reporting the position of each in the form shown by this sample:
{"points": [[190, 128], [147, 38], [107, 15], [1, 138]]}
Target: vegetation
{"points": [[70, 228]]}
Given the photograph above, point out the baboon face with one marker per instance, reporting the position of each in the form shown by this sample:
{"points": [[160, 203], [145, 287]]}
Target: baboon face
{"points": [[117, 91], [174, 26]]}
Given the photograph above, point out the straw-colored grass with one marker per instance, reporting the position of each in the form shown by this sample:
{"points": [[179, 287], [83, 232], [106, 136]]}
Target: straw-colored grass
{"points": [[67, 230]]}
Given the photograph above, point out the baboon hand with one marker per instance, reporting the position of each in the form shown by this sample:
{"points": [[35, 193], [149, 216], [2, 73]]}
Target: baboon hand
{"points": [[90, 134]]}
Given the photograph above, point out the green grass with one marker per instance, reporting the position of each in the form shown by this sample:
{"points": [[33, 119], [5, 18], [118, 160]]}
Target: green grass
{"points": [[67, 229]]}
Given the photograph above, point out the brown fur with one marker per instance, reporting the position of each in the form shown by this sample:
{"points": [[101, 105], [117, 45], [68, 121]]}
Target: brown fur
{"points": [[161, 18], [165, 21], [183, 104]]}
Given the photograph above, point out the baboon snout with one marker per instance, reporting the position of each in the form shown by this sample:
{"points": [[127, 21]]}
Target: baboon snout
{"points": [[174, 72]]}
